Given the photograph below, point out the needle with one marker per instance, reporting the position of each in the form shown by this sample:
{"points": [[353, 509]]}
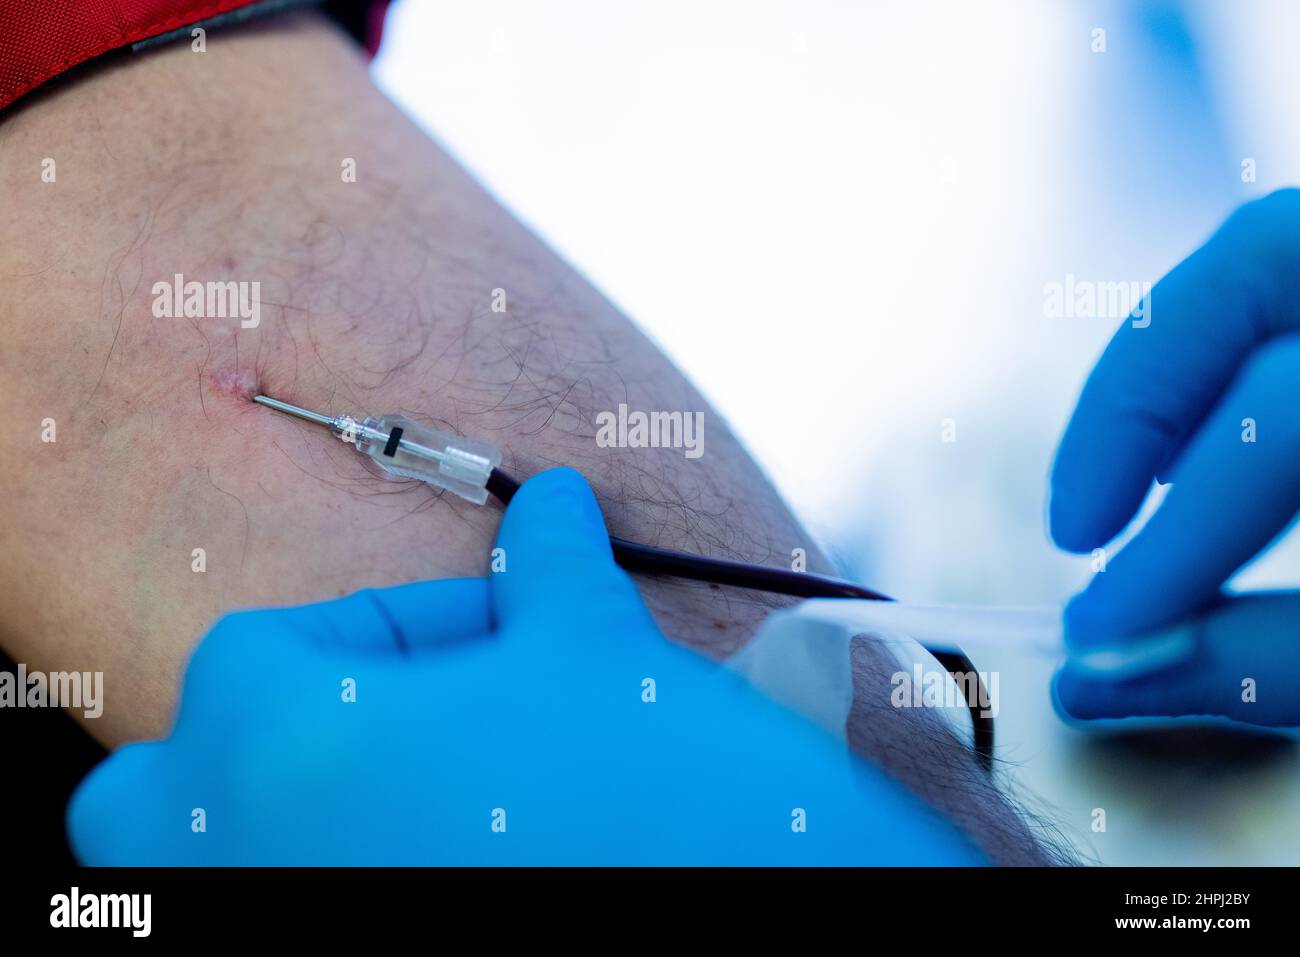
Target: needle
{"points": [[300, 412]]}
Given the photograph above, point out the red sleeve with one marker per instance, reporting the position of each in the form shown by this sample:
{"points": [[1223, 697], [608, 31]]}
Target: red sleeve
{"points": [[40, 39]]}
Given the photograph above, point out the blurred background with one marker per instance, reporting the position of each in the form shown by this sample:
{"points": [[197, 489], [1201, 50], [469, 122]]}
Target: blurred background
{"points": [[839, 219]]}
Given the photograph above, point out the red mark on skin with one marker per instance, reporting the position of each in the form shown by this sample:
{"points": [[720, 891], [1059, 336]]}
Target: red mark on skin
{"points": [[236, 383]]}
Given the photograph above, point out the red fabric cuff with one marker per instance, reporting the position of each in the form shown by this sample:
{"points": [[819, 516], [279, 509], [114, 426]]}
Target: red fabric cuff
{"points": [[39, 39]]}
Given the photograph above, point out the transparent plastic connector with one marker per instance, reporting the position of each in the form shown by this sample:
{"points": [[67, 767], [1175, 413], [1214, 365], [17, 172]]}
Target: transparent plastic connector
{"points": [[458, 464]]}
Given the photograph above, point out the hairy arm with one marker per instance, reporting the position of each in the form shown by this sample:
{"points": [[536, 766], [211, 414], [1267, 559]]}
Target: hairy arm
{"points": [[376, 295]]}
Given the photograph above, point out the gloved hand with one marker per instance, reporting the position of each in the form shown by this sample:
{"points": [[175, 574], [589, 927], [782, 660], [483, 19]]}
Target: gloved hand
{"points": [[495, 722], [1206, 397]]}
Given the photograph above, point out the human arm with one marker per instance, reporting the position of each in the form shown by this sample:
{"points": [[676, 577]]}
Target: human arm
{"points": [[377, 297]]}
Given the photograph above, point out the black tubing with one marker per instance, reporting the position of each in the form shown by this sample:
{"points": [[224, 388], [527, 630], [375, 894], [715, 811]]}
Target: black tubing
{"points": [[649, 560]]}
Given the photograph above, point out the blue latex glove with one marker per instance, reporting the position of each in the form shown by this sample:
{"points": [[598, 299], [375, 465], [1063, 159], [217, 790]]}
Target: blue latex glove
{"points": [[515, 700], [1169, 402]]}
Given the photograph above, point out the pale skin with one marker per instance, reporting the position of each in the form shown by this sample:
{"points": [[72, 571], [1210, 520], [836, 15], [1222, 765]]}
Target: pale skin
{"points": [[376, 297]]}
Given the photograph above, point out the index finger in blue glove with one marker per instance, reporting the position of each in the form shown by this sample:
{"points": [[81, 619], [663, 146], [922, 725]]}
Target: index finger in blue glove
{"points": [[1154, 384], [559, 567], [1232, 497]]}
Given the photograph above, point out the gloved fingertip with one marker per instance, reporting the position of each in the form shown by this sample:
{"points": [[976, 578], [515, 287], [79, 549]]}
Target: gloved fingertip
{"points": [[1083, 623], [1063, 523], [562, 503], [1076, 520], [562, 486], [104, 802], [1070, 699], [558, 561]]}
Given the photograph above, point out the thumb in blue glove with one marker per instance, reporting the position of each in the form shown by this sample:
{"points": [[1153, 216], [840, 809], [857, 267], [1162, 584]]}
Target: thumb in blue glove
{"points": [[497, 722]]}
